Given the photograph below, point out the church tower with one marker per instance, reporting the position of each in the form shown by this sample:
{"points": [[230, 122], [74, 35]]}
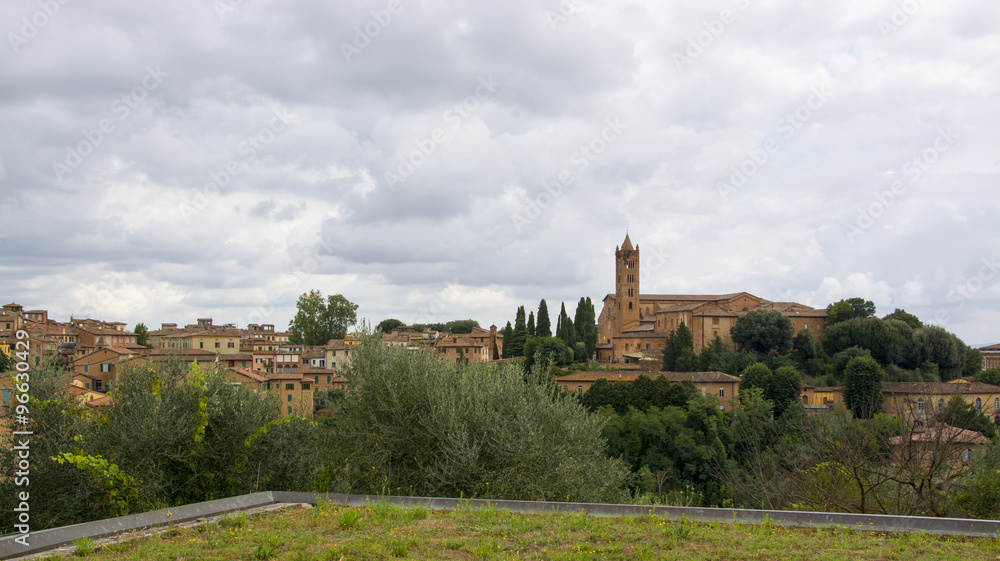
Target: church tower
{"points": [[627, 285]]}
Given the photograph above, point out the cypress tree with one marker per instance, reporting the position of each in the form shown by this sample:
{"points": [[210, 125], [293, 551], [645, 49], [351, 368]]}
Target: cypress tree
{"points": [[508, 337], [531, 324], [543, 327], [520, 334]]}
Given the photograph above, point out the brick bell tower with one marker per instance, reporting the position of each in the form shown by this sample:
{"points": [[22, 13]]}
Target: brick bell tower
{"points": [[627, 285]]}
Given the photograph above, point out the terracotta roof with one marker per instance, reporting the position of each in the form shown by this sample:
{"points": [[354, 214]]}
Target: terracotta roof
{"points": [[706, 377], [336, 345], [938, 388], [100, 402], [991, 347], [249, 374], [95, 330]]}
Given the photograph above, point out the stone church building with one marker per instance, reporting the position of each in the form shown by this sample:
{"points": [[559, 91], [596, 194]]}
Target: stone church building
{"points": [[634, 325]]}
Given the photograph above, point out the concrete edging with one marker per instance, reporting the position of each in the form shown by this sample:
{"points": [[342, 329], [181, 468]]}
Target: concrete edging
{"points": [[46, 540]]}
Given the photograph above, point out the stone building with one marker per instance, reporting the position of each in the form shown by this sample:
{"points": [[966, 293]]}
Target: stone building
{"points": [[633, 326]]}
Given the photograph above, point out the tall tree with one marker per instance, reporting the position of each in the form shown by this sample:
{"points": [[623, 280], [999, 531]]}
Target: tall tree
{"points": [[141, 336], [566, 332], [585, 323], [508, 338], [678, 352], [520, 335], [318, 320], [531, 324], [763, 331], [543, 326], [863, 388], [460, 326]]}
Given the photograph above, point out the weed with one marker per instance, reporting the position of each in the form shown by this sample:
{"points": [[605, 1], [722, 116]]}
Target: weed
{"points": [[267, 547], [644, 552], [84, 547], [399, 549], [233, 520], [349, 520]]}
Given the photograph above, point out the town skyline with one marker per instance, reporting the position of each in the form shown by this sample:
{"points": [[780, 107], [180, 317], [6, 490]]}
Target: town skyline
{"points": [[440, 161]]}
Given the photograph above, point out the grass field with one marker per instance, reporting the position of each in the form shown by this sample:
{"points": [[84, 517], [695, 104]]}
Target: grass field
{"points": [[382, 531]]}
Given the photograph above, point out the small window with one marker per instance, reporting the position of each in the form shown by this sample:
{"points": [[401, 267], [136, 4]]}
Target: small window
{"points": [[920, 406], [86, 368], [289, 397], [316, 379], [218, 345], [327, 379], [965, 455], [996, 404], [201, 345], [979, 405], [579, 389], [289, 386], [940, 405], [231, 345], [305, 385], [6, 395], [289, 409], [722, 392]]}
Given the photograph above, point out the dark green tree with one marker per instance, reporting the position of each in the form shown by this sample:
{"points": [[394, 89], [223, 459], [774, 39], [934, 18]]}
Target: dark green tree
{"points": [[496, 351], [844, 310], [546, 350], [678, 351], [803, 347], [991, 376], [784, 388], [973, 362], [520, 335], [713, 358], [6, 364], [763, 331], [757, 375], [585, 323], [531, 324], [460, 326], [863, 387], [543, 326], [387, 325], [908, 318], [508, 338], [566, 331], [946, 350], [141, 336], [318, 320], [962, 414]]}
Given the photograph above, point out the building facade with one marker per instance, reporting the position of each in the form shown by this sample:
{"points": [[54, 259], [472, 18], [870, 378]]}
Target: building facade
{"points": [[633, 326]]}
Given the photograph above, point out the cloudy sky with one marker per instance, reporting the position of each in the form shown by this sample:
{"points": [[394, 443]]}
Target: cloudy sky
{"points": [[434, 160]]}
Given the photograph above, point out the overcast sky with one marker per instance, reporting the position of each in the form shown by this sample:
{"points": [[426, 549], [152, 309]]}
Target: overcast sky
{"points": [[436, 160]]}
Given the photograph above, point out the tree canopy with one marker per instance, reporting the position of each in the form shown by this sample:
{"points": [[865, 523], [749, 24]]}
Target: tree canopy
{"points": [[863, 388], [844, 310], [763, 331], [387, 325], [318, 320]]}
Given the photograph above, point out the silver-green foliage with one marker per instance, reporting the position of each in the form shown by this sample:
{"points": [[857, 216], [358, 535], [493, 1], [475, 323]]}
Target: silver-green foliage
{"points": [[415, 425]]}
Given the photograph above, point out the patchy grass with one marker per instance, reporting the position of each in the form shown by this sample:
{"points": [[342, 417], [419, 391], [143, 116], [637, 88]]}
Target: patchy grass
{"points": [[382, 531]]}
